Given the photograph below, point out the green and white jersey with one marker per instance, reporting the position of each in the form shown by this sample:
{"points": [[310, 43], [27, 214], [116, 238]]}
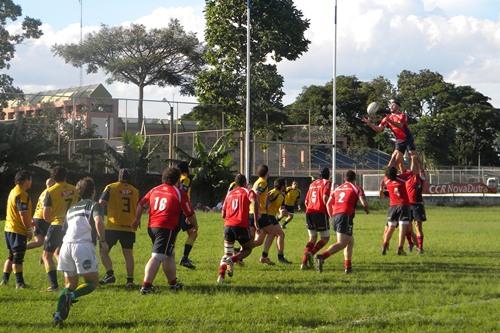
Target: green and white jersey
{"points": [[80, 222]]}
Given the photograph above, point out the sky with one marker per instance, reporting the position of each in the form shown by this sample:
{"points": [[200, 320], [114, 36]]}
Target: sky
{"points": [[458, 38]]}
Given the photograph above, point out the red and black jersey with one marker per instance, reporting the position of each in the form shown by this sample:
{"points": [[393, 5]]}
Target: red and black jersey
{"points": [[398, 117], [345, 198], [236, 207], [414, 186], [314, 198], [166, 202], [397, 192]]}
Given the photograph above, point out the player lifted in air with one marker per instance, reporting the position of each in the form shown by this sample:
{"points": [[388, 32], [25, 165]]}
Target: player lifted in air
{"points": [[77, 258], [292, 196], [276, 198], [235, 212], [317, 217], [397, 122], [58, 199], [18, 228], [341, 207], [166, 203], [121, 200], [41, 226], [190, 228], [399, 209]]}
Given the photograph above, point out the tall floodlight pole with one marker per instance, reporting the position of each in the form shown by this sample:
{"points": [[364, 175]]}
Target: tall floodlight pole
{"points": [[334, 99], [248, 118], [81, 38]]}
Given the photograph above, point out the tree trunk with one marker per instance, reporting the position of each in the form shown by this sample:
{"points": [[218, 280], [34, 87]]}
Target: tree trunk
{"points": [[140, 112]]}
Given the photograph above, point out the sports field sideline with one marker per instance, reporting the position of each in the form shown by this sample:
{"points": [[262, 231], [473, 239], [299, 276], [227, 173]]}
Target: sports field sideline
{"points": [[453, 287]]}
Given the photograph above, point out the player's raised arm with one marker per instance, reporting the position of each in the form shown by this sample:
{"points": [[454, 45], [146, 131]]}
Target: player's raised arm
{"points": [[376, 128]]}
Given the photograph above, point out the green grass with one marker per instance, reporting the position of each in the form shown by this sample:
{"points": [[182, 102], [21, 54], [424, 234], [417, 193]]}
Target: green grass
{"points": [[454, 287]]}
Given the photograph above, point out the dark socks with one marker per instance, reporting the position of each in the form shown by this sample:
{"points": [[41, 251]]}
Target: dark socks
{"points": [[6, 276], [53, 278], [19, 277], [187, 250]]}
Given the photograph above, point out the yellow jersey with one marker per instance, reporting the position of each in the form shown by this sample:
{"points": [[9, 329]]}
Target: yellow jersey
{"points": [[39, 206], [60, 197], [185, 184], [122, 199], [292, 196], [260, 188], [276, 199], [17, 203]]}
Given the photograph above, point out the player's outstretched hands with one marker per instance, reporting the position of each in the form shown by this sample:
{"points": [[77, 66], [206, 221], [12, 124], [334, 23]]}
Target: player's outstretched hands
{"points": [[366, 120]]}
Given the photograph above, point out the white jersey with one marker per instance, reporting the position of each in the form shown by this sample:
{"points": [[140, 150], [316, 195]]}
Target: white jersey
{"points": [[80, 222]]}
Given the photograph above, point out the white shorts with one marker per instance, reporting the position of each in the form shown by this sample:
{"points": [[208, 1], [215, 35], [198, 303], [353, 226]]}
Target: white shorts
{"points": [[77, 259]]}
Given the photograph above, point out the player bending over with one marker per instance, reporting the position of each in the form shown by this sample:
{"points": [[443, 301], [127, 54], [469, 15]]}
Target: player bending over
{"points": [[399, 210], [317, 217], [77, 257], [18, 228], [397, 122], [341, 207], [292, 196], [41, 226], [58, 199], [276, 198], [166, 203], [121, 200], [235, 212]]}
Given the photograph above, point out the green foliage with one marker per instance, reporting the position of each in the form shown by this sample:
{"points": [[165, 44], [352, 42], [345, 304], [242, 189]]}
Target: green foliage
{"points": [[163, 57], [277, 34], [9, 13], [451, 288], [211, 167]]}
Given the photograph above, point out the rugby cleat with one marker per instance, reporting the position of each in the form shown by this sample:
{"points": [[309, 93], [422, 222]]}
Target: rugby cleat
{"points": [[4, 282], [187, 263], [66, 306], [129, 285], [304, 267], [58, 321], [310, 259], [107, 279], [21, 285], [283, 260], [348, 270], [401, 252], [52, 288], [384, 250], [266, 260], [410, 247], [220, 279], [177, 286], [319, 263], [147, 290]]}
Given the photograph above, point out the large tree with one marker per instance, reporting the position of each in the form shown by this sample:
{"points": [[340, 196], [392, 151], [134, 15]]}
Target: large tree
{"points": [[29, 28], [164, 57], [277, 33]]}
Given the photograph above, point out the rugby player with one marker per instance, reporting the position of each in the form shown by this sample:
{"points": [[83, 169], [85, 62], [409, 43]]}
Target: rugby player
{"points": [[121, 199], [58, 199], [276, 199], [414, 180], [264, 226], [18, 228], [341, 207], [292, 196], [235, 212], [317, 217], [77, 257], [399, 210], [41, 226], [165, 202], [190, 228], [397, 122]]}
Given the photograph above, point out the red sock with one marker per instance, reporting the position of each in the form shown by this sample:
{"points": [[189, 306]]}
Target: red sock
{"points": [[309, 247], [325, 254], [318, 246], [235, 258], [409, 238], [347, 264], [172, 282], [222, 269], [420, 241], [147, 284]]}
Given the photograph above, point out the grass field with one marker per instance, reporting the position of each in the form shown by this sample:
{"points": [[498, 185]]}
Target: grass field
{"points": [[454, 287]]}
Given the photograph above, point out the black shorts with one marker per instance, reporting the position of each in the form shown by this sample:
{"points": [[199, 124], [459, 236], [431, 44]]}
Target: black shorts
{"points": [[290, 209], [317, 221], [41, 227], [264, 221], [407, 144], [343, 224], [126, 238], [240, 234], [53, 239], [16, 243], [418, 213], [398, 214], [163, 240], [272, 220], [183, 224]]}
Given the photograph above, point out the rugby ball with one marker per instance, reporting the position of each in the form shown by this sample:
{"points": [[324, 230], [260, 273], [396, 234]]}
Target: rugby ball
{"points": [[372, 108]]}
